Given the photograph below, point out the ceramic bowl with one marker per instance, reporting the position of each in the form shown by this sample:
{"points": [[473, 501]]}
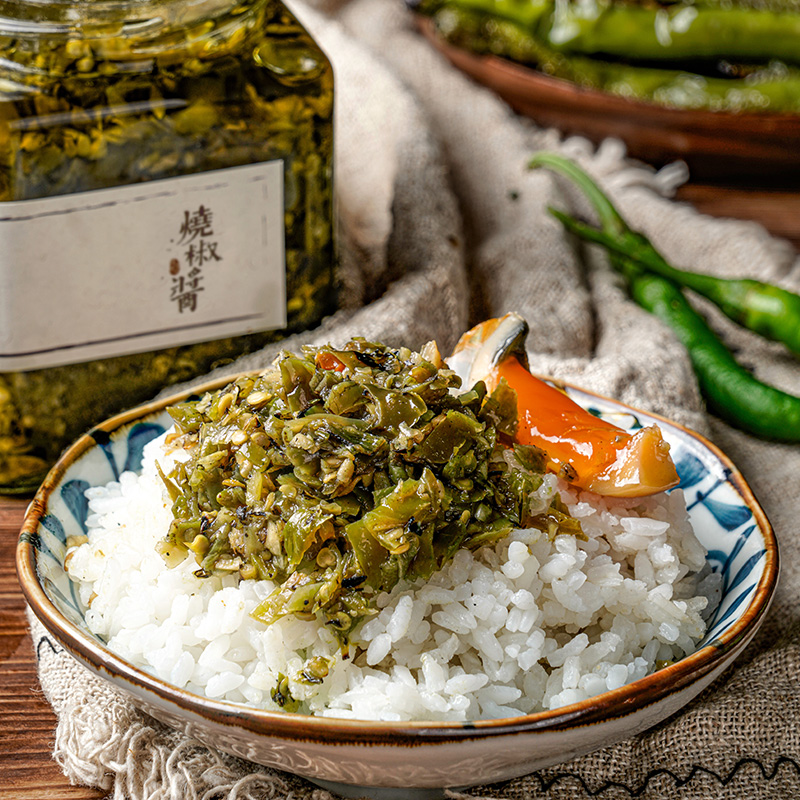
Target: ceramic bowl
{"points": [[411, 760]]}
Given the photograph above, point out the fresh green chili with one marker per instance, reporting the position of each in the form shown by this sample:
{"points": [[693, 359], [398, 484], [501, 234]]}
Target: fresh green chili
{"points": [[724, 82], [649, 32], [766, 309], [731, 391]]}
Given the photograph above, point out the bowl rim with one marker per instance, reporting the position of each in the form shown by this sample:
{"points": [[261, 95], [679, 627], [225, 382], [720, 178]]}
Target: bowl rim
{"points": [[616, 703]]}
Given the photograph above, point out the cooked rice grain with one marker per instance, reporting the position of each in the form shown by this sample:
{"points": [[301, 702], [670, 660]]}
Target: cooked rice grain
{"points": [[527, 625]]}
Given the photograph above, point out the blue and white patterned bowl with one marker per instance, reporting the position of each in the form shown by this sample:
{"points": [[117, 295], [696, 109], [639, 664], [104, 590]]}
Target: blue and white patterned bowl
{"points": [[411, 760]]}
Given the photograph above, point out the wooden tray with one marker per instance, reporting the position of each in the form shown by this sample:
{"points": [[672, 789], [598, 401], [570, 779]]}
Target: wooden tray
{"points": [[719, 146]]}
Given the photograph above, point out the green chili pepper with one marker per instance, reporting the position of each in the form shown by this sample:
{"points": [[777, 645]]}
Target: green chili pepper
{"points": [[722, 84], [764, 308], [653, 32], [731, 391]]}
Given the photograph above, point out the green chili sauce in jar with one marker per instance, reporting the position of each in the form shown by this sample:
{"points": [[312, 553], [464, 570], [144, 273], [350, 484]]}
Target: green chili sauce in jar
{"points": [[110, 107]]}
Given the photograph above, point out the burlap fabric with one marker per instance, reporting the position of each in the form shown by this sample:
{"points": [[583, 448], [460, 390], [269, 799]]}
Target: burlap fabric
{"points": [[442, 226]]}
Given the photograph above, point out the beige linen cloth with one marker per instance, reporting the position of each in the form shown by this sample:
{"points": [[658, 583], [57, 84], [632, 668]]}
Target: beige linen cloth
{"points": [[443, 226]]}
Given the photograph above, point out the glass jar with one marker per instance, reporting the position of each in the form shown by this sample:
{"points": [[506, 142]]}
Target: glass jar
{"points": [[165, 203]]}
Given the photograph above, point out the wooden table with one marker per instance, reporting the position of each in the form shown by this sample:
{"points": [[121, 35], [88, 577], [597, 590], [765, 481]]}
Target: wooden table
{"points": [[27, 771], [778, 210]]}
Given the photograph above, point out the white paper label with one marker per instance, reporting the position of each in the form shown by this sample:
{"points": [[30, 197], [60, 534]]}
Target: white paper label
{"points": [[143, 267]]}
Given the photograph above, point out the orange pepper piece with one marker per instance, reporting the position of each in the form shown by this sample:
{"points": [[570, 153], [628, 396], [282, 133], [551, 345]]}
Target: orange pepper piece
{"points": [[327, 360], [584, 450]]}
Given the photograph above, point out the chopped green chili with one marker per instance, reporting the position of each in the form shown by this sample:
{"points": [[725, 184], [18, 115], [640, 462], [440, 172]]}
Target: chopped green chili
{"points": [[337, 473]]}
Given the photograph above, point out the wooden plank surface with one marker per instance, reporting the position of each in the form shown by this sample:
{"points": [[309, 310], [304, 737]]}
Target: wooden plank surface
{"points": [[27, 771], [778, 210]]}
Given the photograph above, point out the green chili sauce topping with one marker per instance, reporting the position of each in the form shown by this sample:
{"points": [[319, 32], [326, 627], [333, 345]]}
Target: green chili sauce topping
{"points": [[337, 473]]}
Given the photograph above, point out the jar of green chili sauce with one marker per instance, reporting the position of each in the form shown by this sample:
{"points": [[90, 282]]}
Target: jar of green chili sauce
{"points": [[165, 203]]}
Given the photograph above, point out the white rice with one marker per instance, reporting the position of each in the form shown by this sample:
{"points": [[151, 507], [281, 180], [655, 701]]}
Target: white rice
{"points": [[526, 625]]}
